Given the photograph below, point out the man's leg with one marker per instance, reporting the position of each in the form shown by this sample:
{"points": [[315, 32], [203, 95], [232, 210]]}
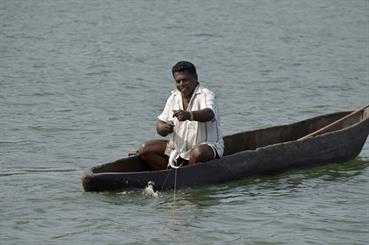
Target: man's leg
{"points": [[152, 152], [201, 153]]}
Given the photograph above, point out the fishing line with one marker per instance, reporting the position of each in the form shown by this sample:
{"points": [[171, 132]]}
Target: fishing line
{"points": [[175, 184], [165, 181]]}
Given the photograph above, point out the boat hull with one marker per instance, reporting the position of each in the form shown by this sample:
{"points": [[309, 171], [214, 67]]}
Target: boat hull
{"points": [[331, 147]]}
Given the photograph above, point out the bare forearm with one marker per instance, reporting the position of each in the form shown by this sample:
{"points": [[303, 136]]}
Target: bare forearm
{"points": [[204, 115]]}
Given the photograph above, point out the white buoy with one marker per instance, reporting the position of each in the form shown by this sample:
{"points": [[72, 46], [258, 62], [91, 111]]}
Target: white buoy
{"points": [[149, 190]]}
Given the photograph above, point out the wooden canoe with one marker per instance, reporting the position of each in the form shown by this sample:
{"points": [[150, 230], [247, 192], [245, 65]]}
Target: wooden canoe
{"points": [[251, 153]]}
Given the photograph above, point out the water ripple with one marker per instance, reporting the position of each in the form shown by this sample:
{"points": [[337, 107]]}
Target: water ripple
{"points": [[81, 83]]}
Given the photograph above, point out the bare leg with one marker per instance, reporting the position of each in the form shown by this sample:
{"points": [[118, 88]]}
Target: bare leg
{"points": [[152, 152], [201, 153]]}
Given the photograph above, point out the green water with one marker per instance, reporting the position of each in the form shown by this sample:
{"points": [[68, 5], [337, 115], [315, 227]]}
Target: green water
{"points": [[81, 83]]}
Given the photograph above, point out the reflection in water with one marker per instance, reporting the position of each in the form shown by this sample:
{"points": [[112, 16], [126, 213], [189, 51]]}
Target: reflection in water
{"points": [[223, 210], [280, 185], [236, 191]]}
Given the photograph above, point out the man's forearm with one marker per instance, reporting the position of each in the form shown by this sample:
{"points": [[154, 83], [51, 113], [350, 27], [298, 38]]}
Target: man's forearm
{"points": [[204, 115]]}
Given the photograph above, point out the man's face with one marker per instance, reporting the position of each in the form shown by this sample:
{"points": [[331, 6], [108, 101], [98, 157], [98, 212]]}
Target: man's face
{"points": [[185, 82]]}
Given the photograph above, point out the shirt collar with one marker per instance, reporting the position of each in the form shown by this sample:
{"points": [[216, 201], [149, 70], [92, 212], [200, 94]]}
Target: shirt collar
{"points": [[198, 89]]}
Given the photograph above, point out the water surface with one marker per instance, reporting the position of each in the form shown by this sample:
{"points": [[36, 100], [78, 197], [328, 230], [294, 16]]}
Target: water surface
{"points": [[81, 83]]}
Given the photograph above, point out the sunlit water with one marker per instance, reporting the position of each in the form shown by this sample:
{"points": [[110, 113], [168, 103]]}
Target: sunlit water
{"points": [[81, 83]]}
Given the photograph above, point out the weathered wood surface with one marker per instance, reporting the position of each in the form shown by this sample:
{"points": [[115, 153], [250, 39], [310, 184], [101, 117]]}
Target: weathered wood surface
{"points": [[321, 130]]}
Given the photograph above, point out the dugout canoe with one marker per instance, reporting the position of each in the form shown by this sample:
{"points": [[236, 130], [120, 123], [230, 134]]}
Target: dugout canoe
{"points": [[250, 153]]}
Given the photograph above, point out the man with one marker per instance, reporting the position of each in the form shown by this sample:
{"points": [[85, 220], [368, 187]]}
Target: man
{"points": [[191, 119]]}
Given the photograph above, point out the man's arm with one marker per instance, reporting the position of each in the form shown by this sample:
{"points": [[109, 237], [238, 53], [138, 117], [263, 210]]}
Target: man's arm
{"points": [[163, 128], [204, 115]]}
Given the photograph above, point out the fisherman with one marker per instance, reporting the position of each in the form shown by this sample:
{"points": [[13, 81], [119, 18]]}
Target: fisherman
{"points": [[191, 119]]}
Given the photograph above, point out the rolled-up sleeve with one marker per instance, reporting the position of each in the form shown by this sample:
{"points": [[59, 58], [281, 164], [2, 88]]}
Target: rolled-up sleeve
{"points": [[208, 101], [167, 113]]}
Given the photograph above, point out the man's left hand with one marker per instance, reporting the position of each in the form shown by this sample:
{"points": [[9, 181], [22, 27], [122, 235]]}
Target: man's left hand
{"points": [[182, 115]]}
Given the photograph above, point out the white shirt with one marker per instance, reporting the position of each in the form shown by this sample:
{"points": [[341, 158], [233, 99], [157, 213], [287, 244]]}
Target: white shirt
{"points": [[187, 134]]}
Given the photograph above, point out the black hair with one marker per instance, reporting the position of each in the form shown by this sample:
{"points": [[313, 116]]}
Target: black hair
{"points": [[184, 66]]}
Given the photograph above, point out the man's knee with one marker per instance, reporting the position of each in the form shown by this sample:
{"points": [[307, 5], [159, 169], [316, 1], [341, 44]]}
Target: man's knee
{"points": [[143, 150], [201, 153], [152, 147], [196, 153]]}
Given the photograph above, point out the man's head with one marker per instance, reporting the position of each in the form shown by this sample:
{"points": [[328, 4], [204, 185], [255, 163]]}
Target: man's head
{"points": [[184, 73]]}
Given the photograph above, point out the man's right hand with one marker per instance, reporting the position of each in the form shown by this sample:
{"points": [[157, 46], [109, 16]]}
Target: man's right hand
{"points": [[164, 128]]}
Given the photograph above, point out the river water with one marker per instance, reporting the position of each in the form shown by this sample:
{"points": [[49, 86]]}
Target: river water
{"points": [[81, 83]]}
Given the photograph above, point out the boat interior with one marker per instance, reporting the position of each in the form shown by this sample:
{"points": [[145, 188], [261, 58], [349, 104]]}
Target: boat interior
{"points": [[251, 140], [279, 134]]}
